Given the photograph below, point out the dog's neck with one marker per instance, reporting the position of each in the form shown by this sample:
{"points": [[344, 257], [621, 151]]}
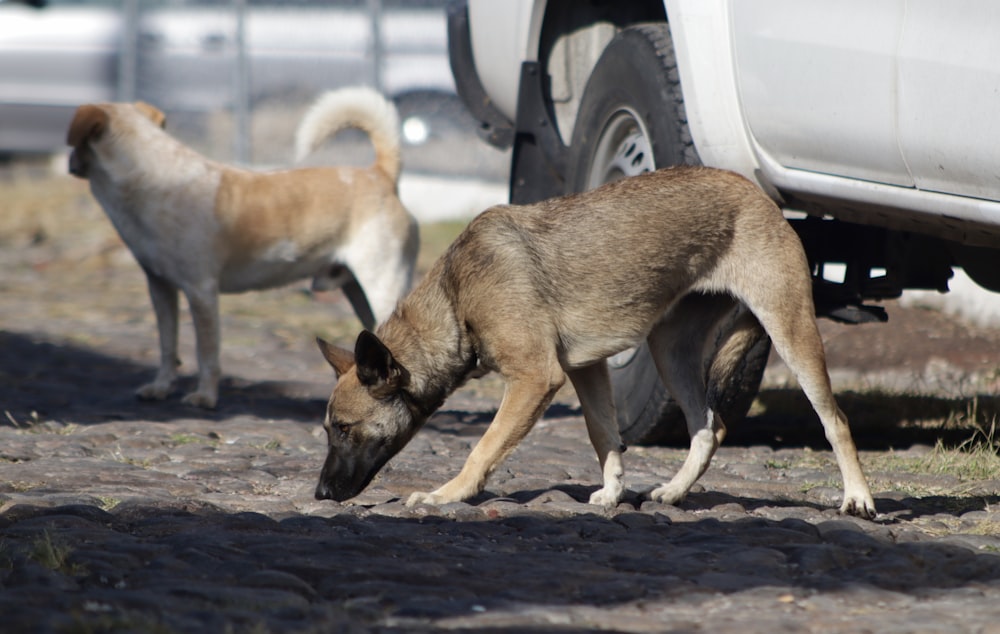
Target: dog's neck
{"points": [[427, 339], [126, 160]]}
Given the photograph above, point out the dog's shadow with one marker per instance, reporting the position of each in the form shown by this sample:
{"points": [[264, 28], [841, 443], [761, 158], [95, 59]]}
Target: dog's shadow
{"points": [[893, 510], [44, 381]]}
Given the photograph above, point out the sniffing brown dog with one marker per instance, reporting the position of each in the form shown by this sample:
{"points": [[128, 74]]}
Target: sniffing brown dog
{"points": [[542, 291], [205, 228]]}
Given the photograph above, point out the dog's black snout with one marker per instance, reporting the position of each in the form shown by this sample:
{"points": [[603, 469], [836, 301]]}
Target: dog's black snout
{"points": [[323, 492], [76, 165]]}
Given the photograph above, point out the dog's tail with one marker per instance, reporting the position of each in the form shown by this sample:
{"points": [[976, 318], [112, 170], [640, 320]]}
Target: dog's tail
{"points": [[361, 108]]}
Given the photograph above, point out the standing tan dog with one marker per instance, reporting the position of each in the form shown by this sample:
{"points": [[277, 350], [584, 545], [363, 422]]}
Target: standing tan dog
{"points": [[542, 291], [205, 228]]}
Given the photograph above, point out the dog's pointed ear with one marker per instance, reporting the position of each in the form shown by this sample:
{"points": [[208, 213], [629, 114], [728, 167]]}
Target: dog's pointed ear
{"points": [[377, 368], [89, 122], [152, 113], [339, 359]]}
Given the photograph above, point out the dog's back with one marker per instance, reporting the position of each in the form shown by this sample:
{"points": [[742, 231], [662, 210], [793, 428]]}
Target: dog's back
{"points": [[608, 270]]}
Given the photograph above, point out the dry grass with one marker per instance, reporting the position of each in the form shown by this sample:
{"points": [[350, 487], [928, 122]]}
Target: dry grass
{"points": [[975, 459], [960, 435], [57, 211], [54, 555]]}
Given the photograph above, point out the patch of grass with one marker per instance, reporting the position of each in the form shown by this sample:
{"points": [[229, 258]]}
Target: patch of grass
{"points": [[118, 456], [54, 555], [108, 503], [974, 459], [777, 465], [32, 420], [829, 483], [20, 486], [34, 424], [270, 445], [806, 459], [178, 439]]}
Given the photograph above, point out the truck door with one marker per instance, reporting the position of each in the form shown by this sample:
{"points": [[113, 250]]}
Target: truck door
{"points": [[949, 112], [818, 84]]}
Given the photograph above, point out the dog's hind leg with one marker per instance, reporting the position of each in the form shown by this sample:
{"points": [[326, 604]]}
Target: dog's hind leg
{"points": [[339, 276], [382, 266], [772, 278], [380, 290], [204, 303], [359, 302], [678, 345], [164, 298], [795, 336], [593, 387]]}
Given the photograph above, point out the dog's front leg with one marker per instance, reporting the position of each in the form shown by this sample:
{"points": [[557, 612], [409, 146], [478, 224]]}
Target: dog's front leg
{"points": [[163, 295], [524, 401], [593, 388], [204, 302]]}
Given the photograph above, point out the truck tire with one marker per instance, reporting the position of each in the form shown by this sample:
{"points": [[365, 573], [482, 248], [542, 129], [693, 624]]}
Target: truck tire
{"points": [[631, 120]]}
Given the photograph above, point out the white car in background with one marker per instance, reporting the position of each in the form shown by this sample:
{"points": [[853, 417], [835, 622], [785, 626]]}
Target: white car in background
{"points": [[184, 58], [875, 125]]}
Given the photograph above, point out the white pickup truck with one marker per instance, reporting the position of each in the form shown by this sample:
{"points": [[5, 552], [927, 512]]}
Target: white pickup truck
{"points": [[875, 125]]}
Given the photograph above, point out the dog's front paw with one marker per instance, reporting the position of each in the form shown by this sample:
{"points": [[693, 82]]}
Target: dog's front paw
{"points": [[668, 494], [608, 498], [421, 497], [865, 509], [155, 391], [200, 399]]}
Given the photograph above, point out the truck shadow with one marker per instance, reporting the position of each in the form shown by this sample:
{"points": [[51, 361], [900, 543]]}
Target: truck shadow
{"points": [[879, 420]]}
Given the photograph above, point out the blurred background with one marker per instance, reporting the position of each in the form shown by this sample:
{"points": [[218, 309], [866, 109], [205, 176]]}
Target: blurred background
{"points": [[234, 77]]}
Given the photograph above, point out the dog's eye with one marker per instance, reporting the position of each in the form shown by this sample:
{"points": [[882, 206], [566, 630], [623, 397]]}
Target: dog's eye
{"points": [[336, 430]]}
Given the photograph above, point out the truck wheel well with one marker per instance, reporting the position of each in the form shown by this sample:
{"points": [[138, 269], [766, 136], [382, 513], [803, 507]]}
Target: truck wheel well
{"points": [[572, 38]]}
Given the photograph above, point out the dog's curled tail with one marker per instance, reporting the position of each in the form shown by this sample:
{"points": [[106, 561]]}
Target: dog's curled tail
{"points": [[359, 107]]}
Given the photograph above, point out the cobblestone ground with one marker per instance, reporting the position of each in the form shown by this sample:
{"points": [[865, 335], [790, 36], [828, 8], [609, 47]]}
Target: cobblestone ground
{"points": [[123, 516]]}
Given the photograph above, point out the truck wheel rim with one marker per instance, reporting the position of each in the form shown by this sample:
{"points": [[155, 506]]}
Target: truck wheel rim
{"points": [[622, 150]]}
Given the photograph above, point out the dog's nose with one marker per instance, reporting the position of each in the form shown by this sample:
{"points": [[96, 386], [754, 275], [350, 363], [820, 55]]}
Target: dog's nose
{"points": [[76, 166], [323, 491]]}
